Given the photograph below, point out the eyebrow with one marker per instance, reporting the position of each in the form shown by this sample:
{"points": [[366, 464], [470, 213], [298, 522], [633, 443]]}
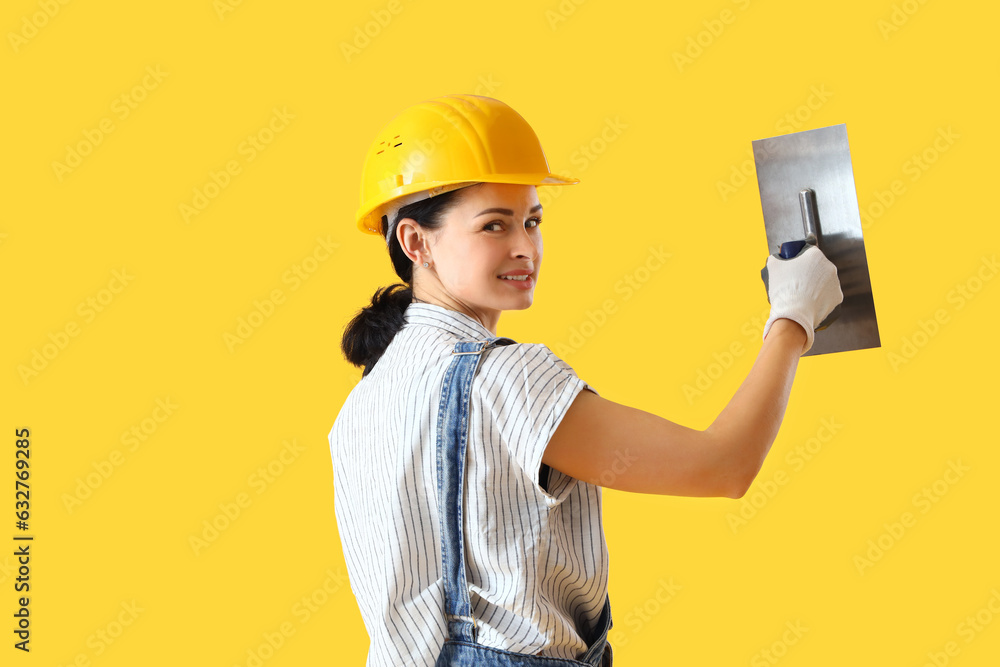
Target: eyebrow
{"points": [[506, 211]]}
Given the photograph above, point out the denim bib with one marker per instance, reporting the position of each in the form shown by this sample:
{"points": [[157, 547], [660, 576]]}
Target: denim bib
{"points": [[461, 649]]}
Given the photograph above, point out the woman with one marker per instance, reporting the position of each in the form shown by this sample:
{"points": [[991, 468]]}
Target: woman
{"points": [[459, 459]]}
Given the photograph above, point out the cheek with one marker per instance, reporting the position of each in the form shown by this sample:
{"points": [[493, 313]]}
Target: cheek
{"points": [[471, 265], [481, 257]]}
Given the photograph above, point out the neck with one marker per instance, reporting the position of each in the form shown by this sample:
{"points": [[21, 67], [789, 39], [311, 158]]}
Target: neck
{"points": [[485, 319]]}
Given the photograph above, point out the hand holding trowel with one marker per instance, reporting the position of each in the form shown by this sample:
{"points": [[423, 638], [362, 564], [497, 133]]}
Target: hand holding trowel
{"points": [[808, 199]]}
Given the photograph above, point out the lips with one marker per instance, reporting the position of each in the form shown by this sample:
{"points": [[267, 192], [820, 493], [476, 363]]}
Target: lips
{"points": [[525, 283]]}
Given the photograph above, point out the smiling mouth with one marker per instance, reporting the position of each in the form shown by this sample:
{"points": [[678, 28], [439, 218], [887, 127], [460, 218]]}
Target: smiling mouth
{"points": [[524, 283]]}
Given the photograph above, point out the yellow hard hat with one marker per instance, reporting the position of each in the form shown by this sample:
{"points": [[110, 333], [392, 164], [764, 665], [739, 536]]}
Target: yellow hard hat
{"points": [[444, 144]]}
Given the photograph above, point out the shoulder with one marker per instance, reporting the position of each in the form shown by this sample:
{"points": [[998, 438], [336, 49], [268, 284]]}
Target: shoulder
{"points": [[528, 357], [528, 366]]}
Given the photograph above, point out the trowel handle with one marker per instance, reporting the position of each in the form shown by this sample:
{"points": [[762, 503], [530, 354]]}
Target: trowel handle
{"points": [[807, 204], [789, 249]]}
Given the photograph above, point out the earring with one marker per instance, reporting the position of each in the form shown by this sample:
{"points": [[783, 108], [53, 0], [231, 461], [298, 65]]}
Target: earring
{"points": [[426, 265]]}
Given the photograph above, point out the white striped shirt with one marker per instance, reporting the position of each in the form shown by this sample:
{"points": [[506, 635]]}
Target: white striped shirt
{"points": [[536, 560]]}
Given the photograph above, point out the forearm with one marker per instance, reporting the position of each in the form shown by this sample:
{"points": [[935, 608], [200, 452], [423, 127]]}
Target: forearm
{"points": [[748, 425]]}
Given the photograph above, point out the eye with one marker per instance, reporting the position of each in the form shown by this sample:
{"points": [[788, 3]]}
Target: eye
{"points": [[537, 221]]}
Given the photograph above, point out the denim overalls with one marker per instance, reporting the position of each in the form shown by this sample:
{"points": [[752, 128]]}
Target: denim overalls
{"points": [[461, 649]]}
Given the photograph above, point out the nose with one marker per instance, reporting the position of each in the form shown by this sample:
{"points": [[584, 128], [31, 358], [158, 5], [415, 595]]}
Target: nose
{"points": [[525, 246]]}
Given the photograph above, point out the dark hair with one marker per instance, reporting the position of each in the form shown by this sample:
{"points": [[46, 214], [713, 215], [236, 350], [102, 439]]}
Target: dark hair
{"points": [[368, 335]]}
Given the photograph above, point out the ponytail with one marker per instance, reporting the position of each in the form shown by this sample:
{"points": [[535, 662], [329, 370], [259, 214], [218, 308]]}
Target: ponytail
{"points": [[374, 327], [367, 336]]}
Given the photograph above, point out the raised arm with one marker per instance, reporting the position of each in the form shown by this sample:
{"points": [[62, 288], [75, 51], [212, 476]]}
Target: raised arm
{"points": [[613, 445], [625, 448]]}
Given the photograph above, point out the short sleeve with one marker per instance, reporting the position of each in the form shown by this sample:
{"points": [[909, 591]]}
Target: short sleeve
{"points": [[527, 390]]}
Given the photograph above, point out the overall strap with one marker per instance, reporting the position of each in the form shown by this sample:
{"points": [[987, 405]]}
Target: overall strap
{"points": [[452, 440]]}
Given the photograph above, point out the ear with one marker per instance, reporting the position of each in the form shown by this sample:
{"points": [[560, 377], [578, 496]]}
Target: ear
{"points": [[412, 239]]}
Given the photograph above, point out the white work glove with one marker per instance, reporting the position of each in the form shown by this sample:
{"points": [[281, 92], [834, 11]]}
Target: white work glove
{"points": [[804, 289]]}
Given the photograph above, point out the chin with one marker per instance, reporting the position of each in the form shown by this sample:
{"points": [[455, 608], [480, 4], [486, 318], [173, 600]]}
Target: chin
{"points": [[523, 304]]}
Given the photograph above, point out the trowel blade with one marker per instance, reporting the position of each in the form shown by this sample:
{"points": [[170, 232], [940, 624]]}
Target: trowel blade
{"points": [[821, 160]]}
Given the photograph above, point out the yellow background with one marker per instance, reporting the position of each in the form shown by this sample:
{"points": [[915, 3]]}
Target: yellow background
{"points": [[901, 75]]}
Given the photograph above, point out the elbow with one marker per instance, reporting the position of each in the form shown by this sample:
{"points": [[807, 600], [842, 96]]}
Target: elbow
{"points": [[741, 469], [740, 482], [735, 465], [737, 491]]}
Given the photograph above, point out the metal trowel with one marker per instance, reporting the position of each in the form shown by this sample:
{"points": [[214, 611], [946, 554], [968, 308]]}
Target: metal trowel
{"points": [[807, 196]]}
